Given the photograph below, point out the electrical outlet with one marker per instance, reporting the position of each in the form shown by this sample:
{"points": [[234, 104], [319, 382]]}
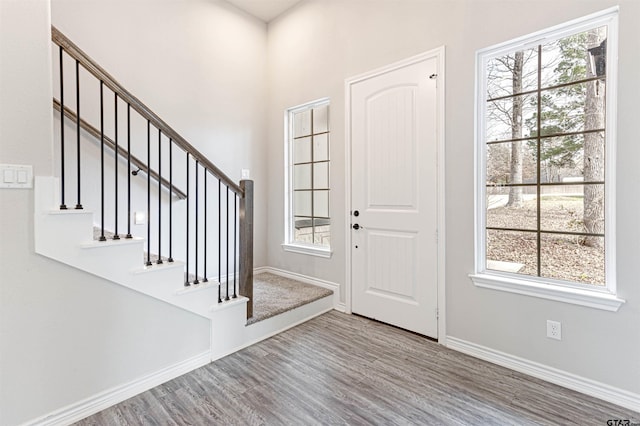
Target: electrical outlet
{"points": [[554, 330]]}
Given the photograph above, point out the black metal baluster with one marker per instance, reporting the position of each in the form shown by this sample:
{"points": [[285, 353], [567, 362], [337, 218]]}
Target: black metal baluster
{"points": [[129, 171], [102, 237], [186, 281], [195, 281], [170, 200], [205, 279], [159, 261], [227, 241], [78, 204], [148, 263], [115, 168], [63, 206], [235, 250], [219, 243]]}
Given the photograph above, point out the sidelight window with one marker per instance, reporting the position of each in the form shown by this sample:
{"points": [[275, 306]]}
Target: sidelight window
{"points": [[308, 224]]}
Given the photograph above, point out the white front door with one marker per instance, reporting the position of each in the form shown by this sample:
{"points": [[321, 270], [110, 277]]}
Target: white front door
{"points": [[394, 254]]}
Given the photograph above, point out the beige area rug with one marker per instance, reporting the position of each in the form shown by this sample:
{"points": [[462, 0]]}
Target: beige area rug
{"points": [[273, 295]]}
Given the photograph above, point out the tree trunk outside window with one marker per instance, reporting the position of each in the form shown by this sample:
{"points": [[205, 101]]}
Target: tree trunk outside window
{"points": [[594, 152]]}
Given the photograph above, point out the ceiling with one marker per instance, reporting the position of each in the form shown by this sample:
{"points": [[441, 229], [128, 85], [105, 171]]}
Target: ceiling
{"points": [[264, 9]]}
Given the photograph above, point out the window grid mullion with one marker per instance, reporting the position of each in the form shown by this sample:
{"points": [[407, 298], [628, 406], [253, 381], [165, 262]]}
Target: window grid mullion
{"points": [[313, 212], [538, 155]]}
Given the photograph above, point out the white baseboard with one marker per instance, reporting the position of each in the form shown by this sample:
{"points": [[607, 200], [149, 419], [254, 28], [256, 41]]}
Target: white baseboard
{"points": [[81, 409], [337, 305], [562, 378]]}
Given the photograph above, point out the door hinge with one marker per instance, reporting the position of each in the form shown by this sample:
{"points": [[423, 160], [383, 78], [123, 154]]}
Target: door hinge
{"points": [[437, 313], [436, 236]]}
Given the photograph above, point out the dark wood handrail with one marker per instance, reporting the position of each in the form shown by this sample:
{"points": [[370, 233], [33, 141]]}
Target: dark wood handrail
{"points": [[111, 144], [97, 71]]}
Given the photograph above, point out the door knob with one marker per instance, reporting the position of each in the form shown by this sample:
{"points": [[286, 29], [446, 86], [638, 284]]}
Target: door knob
{"points": [[356, 226]]}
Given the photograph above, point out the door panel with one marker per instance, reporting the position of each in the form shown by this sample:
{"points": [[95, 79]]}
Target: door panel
{"points": [[394, 188]]}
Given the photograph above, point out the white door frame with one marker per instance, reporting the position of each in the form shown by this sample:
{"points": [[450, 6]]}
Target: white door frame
{"points": [[437, 53]]}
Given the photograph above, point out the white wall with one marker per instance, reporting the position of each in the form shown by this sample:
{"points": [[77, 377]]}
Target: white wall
{"points": [[66, 335], [318, 44]]}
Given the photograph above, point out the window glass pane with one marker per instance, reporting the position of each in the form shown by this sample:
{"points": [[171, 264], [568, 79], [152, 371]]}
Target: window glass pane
{"points": [[572, 108], [500, 157], [562, 158], [302, 150], [572, 258], [321, 147], [321, 176], [562, 208], [509, 251], [321, 119], [302, 203], [303, 231], [321, 203], [322, 232], [511, 118], [572, 208], [302, 176], [500, 72], [568, 59], [512, 207], [302, 123]]}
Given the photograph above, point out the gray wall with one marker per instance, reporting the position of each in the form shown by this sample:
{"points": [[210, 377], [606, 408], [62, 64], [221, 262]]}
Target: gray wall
{"points": [[318, 44], [66, 335]]}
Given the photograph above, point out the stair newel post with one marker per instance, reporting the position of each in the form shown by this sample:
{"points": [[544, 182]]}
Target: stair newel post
{"points": [[170, 200], [195, 281], [186, 279], [63, 206], [235, 245], [115, 167], [219, 242], [246, 243], [159, 261], [102, 237], [205, 237], [148, 262], [227, 242], [78, 204], [129, 171]]}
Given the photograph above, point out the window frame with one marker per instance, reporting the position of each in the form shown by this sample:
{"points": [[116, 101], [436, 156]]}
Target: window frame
{"points": [[564, 291], [289, 243]]}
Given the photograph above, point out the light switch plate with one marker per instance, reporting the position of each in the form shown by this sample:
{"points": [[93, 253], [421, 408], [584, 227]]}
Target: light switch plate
{"points": [[16, 176]]}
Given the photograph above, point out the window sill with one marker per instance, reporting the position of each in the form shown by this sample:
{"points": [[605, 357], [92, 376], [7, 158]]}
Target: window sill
{"points": [[576, 296], [324, 252]]}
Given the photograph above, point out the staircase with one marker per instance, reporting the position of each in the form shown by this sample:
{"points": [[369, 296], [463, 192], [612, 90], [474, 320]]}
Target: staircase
{"points": [[67, 236], [118, 160]]}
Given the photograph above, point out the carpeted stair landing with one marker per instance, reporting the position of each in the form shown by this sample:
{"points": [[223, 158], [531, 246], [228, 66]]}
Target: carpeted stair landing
{"points": [[273, 295]]}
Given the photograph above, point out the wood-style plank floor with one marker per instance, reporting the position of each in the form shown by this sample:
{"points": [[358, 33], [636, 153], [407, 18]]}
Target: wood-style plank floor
{"points": [[341, 369]]}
